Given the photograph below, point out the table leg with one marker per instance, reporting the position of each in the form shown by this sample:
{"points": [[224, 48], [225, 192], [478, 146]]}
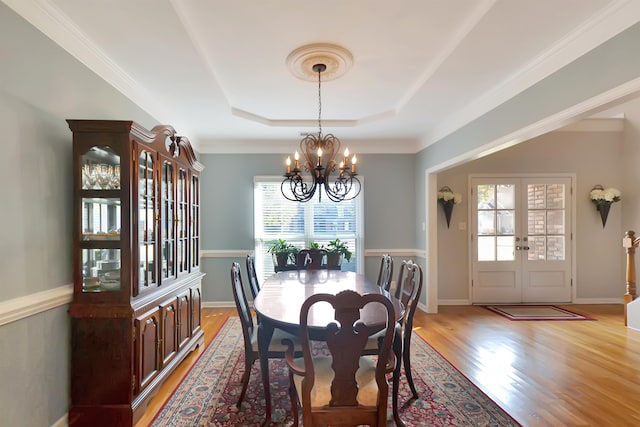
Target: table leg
{"points": [[265, 332], [397, 349]]}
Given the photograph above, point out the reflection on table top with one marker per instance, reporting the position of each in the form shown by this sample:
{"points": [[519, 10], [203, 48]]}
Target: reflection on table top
{"points": [[281, 296]]}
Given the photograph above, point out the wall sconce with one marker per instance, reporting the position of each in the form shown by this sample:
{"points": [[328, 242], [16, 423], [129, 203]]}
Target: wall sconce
{"points": [[603, 198], [447, 198]]}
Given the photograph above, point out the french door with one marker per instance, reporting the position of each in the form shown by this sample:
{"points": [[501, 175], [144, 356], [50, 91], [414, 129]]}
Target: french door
{"points": [[521, 239]]}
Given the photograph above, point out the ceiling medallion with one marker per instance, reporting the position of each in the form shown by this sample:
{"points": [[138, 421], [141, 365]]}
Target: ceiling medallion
{"points": [[337, 59]]}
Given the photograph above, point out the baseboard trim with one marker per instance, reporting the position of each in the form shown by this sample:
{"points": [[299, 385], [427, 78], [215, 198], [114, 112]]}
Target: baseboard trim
{"points": [[598, 301], [454, 302], [218, 304]]}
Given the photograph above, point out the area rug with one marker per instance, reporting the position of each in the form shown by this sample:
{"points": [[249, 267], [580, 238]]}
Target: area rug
{"points": [[208, 393], [535, 312]]}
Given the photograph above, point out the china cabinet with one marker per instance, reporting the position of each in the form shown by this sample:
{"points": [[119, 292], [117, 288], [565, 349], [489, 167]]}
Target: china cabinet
{"points": [[135, 313]]}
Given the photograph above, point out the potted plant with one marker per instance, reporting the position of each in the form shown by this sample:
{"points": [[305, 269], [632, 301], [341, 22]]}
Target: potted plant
{"points": [[282, 252], [337, 249]]}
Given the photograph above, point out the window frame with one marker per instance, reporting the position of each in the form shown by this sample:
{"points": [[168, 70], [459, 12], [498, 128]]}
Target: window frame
{"points": [[260, 241]]}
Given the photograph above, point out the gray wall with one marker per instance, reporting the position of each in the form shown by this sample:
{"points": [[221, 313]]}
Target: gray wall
{"points": [[227, 209]]}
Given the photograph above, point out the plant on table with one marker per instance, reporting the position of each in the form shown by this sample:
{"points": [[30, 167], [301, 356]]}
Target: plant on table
{"points": [[283, 251], [337, 249]]}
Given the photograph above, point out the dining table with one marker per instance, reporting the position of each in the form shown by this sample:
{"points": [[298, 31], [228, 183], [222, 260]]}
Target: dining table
{"points": [[280, 299]]}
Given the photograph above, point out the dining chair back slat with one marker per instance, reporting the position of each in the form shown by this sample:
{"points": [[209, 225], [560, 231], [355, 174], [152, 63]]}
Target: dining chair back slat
{"points": [[342, 387], [386, 272], [254, 284], [312, 259]]}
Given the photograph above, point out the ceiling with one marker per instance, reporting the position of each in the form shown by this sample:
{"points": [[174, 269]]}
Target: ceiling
{"points": [[216, 69]]}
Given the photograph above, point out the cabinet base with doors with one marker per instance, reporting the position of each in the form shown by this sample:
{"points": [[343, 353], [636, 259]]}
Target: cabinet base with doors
{"points": [[136, 308]]}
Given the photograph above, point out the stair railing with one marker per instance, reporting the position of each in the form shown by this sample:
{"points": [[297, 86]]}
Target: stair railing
{"points": [[630, 243]]}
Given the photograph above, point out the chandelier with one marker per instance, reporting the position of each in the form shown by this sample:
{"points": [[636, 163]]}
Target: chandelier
{"points": [[319, 168]]}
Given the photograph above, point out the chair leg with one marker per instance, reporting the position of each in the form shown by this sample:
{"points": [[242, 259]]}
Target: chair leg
{"points": [[397, 349], [248, 364], [406, 356], [293, 395]]}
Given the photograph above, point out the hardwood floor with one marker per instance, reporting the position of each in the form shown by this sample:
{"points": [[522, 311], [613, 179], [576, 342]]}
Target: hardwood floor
{"points": [[543, 373]]}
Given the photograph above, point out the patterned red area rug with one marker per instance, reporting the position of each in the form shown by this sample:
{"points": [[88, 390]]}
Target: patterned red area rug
{"points": [[208, 393], [535, 312]]}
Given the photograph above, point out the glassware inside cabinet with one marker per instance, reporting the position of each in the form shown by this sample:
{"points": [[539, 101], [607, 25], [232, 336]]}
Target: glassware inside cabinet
{"points": [[100, 270], [101, 218], [100, 169]]}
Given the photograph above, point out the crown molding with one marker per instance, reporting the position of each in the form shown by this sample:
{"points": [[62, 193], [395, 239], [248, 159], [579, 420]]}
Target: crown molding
{"points": [[51, 21], [612, 20], [595, 125]]}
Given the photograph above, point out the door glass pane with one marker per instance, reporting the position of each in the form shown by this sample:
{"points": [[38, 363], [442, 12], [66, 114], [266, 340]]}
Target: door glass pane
{"points": [[555, 248], [486, 223], [555, 222], [505, 249], [536, 223], [537, 248], [486, 248], [506, 196], [486, 196], [555, 196], [505, 222], [536, 196]]}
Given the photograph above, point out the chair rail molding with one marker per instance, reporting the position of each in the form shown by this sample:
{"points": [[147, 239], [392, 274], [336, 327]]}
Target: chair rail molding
{"points": [[418, 253], [29, 305], [226, 253]]}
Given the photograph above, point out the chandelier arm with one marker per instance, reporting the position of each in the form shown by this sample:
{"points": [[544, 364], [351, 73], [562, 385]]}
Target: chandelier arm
{"points": [[342, 187], [298, 189]]}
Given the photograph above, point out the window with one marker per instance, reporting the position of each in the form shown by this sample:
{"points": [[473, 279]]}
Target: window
{"points": [[302, 223]]}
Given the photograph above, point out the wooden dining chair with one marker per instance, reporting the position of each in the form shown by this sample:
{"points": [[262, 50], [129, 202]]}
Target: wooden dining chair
{"points": [[386, 272], [312, 259], [250, 332], [254, 285], [408, 290], [342, 387]]}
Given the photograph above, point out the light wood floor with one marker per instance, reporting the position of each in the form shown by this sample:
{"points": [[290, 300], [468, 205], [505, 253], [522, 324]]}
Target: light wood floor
{"points": [[543, 373]]}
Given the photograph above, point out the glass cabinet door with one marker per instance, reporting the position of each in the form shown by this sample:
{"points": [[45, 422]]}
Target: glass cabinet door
{"points": [[100, 219], [194, 222], [182, 232], [168, 219], [147, 234]]}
